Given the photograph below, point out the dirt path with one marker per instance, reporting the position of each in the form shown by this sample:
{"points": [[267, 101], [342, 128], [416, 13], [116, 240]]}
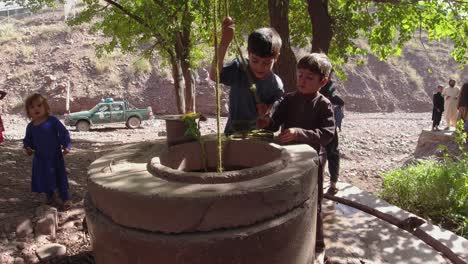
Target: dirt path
{"points": [[370, 144]]}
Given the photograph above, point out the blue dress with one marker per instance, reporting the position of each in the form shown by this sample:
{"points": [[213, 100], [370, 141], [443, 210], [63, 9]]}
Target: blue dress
{"points": [[48, 171]]}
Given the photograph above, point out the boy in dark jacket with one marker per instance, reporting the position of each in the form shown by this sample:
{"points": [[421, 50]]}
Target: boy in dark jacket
{"points": [[306, 116], [438, 108]]}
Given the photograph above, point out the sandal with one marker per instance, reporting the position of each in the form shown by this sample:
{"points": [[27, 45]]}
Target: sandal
{"points": [[332, 190]]}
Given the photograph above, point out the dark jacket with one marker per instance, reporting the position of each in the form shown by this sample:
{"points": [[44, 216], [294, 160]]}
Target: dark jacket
{"points": [[438, 101], [329, 91], [463, 97], [311, 114]]}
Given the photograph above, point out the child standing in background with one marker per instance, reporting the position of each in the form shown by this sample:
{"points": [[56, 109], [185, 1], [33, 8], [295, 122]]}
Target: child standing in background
{"points": [[438, 108], [48, 139], [2, 95]]}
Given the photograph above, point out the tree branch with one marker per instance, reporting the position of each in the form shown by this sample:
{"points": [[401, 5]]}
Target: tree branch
{"points": [[129, 14], [139, 20]]}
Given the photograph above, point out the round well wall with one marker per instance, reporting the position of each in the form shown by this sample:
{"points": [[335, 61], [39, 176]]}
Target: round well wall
{"points": [[141, 207]]}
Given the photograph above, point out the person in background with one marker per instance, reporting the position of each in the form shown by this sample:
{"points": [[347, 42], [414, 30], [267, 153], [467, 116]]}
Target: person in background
{"points": [[338, 108], [451, 100], [463, 105], [437, 108], [333, 151], [2, 95]]}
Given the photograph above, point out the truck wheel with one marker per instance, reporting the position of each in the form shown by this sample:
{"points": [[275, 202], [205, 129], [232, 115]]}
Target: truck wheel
{"points": [[133, 122], [82, 125]]}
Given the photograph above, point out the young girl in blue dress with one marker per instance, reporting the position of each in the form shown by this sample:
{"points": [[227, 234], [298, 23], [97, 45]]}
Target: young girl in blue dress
{"points": [[48, 140]]}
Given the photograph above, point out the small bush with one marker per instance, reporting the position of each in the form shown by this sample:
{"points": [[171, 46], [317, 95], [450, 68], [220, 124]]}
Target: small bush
{"points": [[47, 31], [9, 32], [105, 61], [141, 66], [27, 51], [437, 191]]}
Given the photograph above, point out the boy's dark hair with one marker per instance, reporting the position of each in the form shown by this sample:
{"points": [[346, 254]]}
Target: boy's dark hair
{"points": [[317, 63], [32, 98], [264, 42]]}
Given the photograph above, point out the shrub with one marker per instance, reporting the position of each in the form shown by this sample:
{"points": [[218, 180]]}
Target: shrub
{"points": [[9, 32], [141, 66], [437, 191]]}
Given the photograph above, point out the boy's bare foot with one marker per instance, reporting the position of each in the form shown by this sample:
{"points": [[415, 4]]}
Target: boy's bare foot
{"points": [[66, 205]]}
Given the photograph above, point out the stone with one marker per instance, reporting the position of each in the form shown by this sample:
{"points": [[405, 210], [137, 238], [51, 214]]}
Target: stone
{"points": [[68, 225], [47, 221], [21, 245], [24, 228], [6, 259], [50, 78], [31, 258], [61, 86], [18, 261], [46, 226], [50, 251]]}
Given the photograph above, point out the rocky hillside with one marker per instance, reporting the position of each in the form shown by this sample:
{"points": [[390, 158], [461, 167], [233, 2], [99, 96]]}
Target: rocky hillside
{"points": [[41, 53]]}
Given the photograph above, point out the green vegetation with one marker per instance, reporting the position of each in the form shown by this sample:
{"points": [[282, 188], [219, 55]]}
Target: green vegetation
{"points": [[106, 61], [193, 131], [141, 65], [437, 191], [8, 32]]}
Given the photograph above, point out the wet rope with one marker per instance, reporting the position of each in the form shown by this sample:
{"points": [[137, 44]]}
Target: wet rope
{"points": [[218, 95]]}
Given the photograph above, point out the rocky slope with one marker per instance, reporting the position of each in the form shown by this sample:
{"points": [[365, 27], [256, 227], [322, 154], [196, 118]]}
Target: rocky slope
{"points": [[41, 53]]}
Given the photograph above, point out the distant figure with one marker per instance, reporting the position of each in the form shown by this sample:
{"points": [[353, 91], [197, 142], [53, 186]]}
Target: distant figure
{"points": [[451, 100], [333, 150], [463, 105], [438, 108], [338, 109], [2, 95], [48, 139], [69, 7]]}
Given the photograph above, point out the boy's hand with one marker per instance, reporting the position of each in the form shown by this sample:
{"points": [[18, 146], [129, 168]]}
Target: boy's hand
{"points": [[263, 122], [227, 30], [288, 135], [262, 110], [28, 151], [66, 151]]}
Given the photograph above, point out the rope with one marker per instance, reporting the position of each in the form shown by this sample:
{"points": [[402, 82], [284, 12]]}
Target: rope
{"points": [[218, 96]]}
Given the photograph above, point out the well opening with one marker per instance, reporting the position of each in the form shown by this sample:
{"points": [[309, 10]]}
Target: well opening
{"points": [[242, 160]]}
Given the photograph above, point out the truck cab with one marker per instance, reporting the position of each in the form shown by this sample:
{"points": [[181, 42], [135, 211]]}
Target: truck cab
{"points": [[109, 111]]}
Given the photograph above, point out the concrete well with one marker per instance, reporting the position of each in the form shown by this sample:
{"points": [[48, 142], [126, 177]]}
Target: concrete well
{"points": [[147, 205]]}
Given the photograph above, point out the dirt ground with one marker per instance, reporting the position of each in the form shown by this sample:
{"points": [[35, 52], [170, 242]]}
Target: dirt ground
{"points": [[370, 144]]}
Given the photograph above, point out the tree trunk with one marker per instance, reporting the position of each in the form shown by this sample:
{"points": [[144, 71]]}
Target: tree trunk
{"points": [[322, 32], [285, 67], [185, 49], [178, 82]]}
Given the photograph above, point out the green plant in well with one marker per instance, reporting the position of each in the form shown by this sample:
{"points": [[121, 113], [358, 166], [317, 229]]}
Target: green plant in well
{"points": [[193, 130], [437, 191]]}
